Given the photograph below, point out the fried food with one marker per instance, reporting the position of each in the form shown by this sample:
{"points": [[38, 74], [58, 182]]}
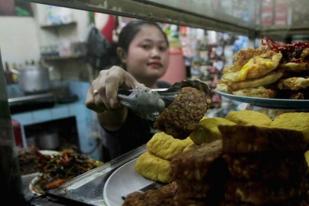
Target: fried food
{"points": [[256, 92], [242, 57], [294, 83], [208, 131], [182, 116], [263, 81], [264, 67], [196, 164], [192, 189], [155, 197], [58, 169], [165, 146], [261, 193], [153, 168], [295, 67], [248, 117], [285, 167], [255, 68], [307, 157], [298, 121], [249, 139]]}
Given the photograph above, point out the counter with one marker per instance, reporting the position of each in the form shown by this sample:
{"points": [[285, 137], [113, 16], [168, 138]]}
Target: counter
{"points": [[85, 119], [86, 189]]}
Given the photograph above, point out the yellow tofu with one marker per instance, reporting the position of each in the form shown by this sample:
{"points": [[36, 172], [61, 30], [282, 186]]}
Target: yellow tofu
{"points": [[153, 168], [208, 130], [293, 120], [249, 117], [307, 157], [166, 146]]}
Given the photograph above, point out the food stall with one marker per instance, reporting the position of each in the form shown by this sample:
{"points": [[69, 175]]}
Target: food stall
{"points": [[283, 20]]}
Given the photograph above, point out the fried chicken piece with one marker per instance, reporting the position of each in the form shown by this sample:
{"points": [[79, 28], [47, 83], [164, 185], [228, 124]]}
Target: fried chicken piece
{"points": [[294, 83], [279, 167], [182, 116], [243, 139], [256, 92]]}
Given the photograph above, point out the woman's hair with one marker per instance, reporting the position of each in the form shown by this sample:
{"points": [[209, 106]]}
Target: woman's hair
{"points": [[125, 38], [128, 33]]}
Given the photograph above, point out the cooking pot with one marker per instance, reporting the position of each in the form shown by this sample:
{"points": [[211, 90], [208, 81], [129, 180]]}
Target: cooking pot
{"points": [[48, 141], [34, 79]]}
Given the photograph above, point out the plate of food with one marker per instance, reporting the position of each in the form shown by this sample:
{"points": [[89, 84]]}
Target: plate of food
{"points": [[55, 170], [275, 75], [268, 102], [123, 181]]}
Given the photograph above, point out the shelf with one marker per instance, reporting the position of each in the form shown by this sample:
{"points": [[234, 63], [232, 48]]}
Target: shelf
{"points": [[245, 18], [62, 58], [51, 26], [189, 13]]}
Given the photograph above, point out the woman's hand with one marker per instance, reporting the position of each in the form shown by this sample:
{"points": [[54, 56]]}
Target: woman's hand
{"points": [[102, 95]]}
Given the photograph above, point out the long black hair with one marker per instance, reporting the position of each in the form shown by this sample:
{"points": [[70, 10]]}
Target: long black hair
{"points": [[126, 36], [128, 33]]}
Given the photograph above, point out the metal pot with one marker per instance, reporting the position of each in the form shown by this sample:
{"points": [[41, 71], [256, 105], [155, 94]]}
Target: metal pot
{"points": [[34, 79], [48, 141]]}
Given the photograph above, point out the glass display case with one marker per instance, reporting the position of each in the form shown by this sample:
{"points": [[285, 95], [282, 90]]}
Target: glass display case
{"points": [[255, 18], [251, 17]]}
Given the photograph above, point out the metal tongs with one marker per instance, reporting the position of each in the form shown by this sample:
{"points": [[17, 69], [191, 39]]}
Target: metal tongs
{"points": [[149, 103]]}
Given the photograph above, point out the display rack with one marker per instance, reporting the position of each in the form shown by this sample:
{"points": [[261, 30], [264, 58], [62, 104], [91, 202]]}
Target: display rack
{"points": [[206, 14]]}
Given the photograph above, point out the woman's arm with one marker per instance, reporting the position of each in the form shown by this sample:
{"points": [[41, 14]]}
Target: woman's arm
{"points": [[102, 96], [114, 119]]}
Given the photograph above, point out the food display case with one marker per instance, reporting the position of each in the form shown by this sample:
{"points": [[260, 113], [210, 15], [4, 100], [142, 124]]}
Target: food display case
{"points": [[279, 19]]}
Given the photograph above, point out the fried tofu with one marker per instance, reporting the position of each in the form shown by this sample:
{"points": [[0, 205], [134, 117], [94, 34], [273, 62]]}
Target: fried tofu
{"points": [[166, 146], [153, 168], [298, 121], [249, 117], [307, 157], [208, 131]]}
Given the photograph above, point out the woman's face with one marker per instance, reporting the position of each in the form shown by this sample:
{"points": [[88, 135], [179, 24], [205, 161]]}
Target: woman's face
{"points": [[147, 57]]}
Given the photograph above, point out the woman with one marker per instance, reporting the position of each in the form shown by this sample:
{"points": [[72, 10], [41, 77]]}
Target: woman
{"points": [[143, 52]]}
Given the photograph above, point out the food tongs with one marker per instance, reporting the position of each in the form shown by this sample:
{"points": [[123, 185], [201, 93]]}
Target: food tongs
{"points": [[149, 103]]}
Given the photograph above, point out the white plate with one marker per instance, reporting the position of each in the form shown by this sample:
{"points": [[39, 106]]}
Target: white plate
{"points": [[49, 152], [35, 189], [122, 182], [269, 102]]}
